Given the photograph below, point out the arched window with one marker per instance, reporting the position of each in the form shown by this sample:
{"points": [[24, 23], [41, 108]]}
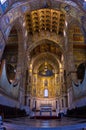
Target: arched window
{"points": [[45, 92]]}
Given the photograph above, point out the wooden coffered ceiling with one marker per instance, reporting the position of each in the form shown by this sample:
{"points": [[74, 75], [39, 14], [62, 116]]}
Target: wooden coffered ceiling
{"points": [[45, 19]]}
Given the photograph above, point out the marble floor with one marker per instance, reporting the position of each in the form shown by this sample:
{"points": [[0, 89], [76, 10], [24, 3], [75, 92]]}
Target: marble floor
{"points": [[25, 123]]}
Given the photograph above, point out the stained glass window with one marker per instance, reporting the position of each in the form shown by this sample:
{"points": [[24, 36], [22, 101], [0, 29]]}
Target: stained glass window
{"points": [[4, 5], [2, 1]]}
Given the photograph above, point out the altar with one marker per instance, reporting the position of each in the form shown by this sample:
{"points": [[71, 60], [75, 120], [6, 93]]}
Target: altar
{"points": [[46, 108]]}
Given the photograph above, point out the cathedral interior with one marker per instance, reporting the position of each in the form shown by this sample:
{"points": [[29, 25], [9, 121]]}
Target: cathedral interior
{"points": [[42, 54]]}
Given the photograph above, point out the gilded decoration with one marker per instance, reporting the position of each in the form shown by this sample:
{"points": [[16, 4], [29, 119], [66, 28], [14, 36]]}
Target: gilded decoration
{"points": [[46, 47], [75, 34], [79, 48], [42, 84], [45, 79], [79, 55]]}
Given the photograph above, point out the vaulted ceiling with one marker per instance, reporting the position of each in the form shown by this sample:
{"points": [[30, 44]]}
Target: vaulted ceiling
{"points": [[46, 48], [46, 16]]}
